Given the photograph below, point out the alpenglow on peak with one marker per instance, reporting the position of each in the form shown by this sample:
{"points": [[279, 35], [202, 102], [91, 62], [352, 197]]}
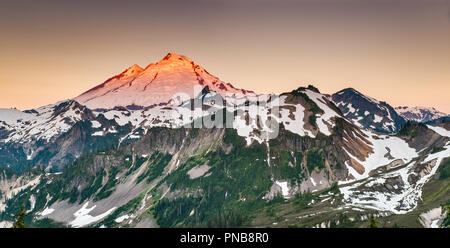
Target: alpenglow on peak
{"points": [[154, 85]]}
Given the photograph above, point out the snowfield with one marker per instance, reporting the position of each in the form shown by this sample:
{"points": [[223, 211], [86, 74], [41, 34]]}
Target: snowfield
{"points": [[398, 203], [384, 144], [326, 117], [42, 124], [47, 211], [82, 217], [440, 130]]}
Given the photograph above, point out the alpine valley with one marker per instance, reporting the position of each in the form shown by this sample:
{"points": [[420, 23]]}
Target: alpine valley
{"points": [[137, 151]]}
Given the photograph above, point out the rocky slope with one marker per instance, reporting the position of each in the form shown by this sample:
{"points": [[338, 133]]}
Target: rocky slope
{"points": [[367, 112]]}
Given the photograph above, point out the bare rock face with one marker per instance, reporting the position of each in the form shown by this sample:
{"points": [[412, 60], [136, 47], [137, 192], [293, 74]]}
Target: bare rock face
{"points": [[422, 170], [198, 171], [393, 164], [316, 182]]}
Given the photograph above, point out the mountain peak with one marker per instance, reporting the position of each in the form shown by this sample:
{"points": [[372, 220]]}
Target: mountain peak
{"points": [[349, 89], [313, 88], [132, 71], [173, 62], [135, 67], [155, 85], [175, 56], [367, 112]]}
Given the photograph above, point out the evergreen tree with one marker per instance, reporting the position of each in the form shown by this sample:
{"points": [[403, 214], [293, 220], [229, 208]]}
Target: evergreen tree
{"points": [[446, 222], [372, 221], [19, 219]]}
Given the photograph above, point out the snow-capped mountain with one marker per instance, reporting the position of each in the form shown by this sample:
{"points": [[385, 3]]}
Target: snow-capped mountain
{"points": [[157, 84], [42, 123], [419, 114], [53, 136], [316, 147], [367, 112], [124, 147]]}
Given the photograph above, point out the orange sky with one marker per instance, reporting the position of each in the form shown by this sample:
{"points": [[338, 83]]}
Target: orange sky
{"points": [[396, 52]]}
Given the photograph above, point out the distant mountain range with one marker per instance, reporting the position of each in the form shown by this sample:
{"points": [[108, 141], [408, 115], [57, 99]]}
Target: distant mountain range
{"points": [[139, 150], [420, 114]]}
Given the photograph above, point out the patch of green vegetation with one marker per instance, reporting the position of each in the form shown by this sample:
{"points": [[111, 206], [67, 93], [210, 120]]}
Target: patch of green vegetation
{"points": [[408, 129], [139, 161], [157, 162], [14, 205], [45, 156], [337, 164], [93, 186], [333, 189], [180, 179], [288, 167], [127, 161], [446, 209], [343, 221], [312, 120], [437, 149], [438, 191], [227, 219], [171, 213], [444, 169], [73, 196], [277, 199], [302, 200], [7, 172], [110, 185], [46, 223], [41, 198], [446, 222], [231, 137], [315, 159]]}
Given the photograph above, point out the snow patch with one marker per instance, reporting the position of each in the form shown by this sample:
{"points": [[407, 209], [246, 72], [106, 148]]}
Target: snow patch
{"points": [[284, 188], [47, 211], [82, 217], [122, 218], [440, 130]]}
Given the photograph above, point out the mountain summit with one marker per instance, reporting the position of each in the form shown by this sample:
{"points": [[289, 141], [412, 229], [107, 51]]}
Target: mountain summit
{"points": [[419, 114], [154, 85], [367, 112]]}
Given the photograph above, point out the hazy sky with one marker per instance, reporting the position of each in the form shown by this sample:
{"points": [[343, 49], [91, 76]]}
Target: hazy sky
{"points": [[395, 51]]}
